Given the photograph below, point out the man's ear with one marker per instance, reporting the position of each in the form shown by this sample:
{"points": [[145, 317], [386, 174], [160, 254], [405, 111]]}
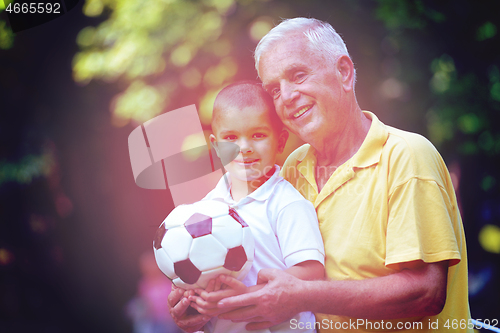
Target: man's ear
{"points": [[213, 141], [346, 69], [283, 137]]}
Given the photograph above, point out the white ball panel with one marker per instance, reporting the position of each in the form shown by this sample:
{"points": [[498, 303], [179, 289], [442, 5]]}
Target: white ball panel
{"points": [[178, 216], [207, 253], [181, 284], [164, 262], [176, 243], [227, 231]]}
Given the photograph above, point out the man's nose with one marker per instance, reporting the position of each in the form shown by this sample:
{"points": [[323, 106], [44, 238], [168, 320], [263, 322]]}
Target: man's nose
{"points": [[288, 92]]}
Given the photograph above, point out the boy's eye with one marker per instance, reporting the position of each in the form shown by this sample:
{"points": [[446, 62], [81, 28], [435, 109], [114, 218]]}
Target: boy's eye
{"points": [[230, 137], [259, 135]]}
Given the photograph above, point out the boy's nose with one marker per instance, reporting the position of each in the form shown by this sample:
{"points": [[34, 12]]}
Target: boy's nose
{"points": [[245, 147]]}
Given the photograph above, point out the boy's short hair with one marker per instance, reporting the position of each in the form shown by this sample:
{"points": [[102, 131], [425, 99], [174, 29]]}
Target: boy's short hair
{"points": [[242, 94]]}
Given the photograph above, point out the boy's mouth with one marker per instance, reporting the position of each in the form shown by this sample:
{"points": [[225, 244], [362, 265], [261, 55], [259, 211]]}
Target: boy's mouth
{"points": [[247, 162]]}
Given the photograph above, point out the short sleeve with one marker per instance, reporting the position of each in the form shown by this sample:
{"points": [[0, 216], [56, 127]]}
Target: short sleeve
{"points": [[420, 224], [298, 234]]}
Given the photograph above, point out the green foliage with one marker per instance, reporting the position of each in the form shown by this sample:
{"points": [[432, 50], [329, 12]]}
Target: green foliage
{"points": [[463, 105], [397, 14], [30, 167], [486, 31], [158, 48], [6, 36]]}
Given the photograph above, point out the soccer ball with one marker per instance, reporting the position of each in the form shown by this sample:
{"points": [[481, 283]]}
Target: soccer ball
{"points": [[200, 241]]}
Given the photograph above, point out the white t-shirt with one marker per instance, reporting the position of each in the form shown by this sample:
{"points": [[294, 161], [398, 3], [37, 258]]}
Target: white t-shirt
{"points": [[285, 228]]}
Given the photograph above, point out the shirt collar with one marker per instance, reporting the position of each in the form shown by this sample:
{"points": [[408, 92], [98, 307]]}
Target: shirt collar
{"points": [[222, 191], [371, 149]]}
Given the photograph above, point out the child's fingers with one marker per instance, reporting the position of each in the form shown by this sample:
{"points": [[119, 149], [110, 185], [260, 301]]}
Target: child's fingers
{"points": [[198, 291], [210, 285], [218, 284], [188, 293], [202, 303], [231, 282], [206, 312], [216, 296]]}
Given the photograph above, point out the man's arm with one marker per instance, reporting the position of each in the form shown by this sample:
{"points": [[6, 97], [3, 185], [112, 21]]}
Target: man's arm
{"points": [[419, 289]]}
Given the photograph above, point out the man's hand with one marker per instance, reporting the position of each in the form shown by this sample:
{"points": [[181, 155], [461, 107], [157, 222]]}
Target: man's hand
{"points": [[418, 290], [217, 289], [178, 306], [271, 305]]}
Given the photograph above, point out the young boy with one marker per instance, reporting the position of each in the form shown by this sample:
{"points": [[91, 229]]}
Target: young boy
{"points": [[283, 223]]}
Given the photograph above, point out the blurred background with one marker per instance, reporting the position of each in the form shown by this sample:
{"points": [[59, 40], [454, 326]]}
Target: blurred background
{"points": [[74, 227]]}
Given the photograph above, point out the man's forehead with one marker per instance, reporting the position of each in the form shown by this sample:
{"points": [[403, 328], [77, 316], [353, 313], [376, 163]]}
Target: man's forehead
{"points": [[284, 58]]}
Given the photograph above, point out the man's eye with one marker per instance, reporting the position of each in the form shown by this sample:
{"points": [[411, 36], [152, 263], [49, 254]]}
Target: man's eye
{"points": [[299, 77], [275, 92]]}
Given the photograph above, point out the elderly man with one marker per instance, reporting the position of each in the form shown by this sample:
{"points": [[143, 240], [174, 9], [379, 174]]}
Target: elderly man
{"points": [[394, 240]]}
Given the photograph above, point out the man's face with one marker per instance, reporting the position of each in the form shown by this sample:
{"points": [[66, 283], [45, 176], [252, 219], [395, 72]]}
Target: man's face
{"points": [[307, 91]]}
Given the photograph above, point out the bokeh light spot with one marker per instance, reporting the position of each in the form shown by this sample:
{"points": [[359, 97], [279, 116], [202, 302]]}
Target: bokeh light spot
{"points": [[206, 106], [486, 31], [495, 91], [487, 183], [181, 56], [469, 123], [193, 141], [140, 102], [191, 78], [64, 206], [259, 28], [391, 88], [489, 238], [86, 36], [38, 224], [6, 36], [6, 257], [93, 8]]}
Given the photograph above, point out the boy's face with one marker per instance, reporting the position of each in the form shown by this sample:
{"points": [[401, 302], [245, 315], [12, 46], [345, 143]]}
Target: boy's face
{"points": [[251, 129]]}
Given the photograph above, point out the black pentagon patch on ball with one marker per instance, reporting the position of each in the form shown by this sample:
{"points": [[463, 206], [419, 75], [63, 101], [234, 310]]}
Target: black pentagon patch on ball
{"points": [[235, 258], [187, 271], [199, 225], [238, 219], [159, 236]]}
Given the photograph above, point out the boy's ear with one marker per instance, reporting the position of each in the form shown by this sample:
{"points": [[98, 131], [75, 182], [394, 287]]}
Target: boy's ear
{"points": [[283, 137], [213, 141]]}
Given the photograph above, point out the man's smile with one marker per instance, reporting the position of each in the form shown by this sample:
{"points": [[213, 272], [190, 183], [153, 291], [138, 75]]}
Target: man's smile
{"points": [[301, 111]]}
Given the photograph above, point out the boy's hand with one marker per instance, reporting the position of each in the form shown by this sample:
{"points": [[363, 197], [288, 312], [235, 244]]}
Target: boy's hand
{"points": [[222, 287], [178, 306]]}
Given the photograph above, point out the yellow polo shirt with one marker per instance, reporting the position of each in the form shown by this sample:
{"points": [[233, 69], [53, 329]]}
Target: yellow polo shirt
{"points": [[392, 202]]}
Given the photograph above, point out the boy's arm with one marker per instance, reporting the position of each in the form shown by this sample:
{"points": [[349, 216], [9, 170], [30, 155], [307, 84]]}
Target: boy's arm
{"points": [[306, 270]]}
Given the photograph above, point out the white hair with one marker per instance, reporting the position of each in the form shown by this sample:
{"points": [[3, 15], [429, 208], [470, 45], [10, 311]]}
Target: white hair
{"points": [[321, 36]]}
